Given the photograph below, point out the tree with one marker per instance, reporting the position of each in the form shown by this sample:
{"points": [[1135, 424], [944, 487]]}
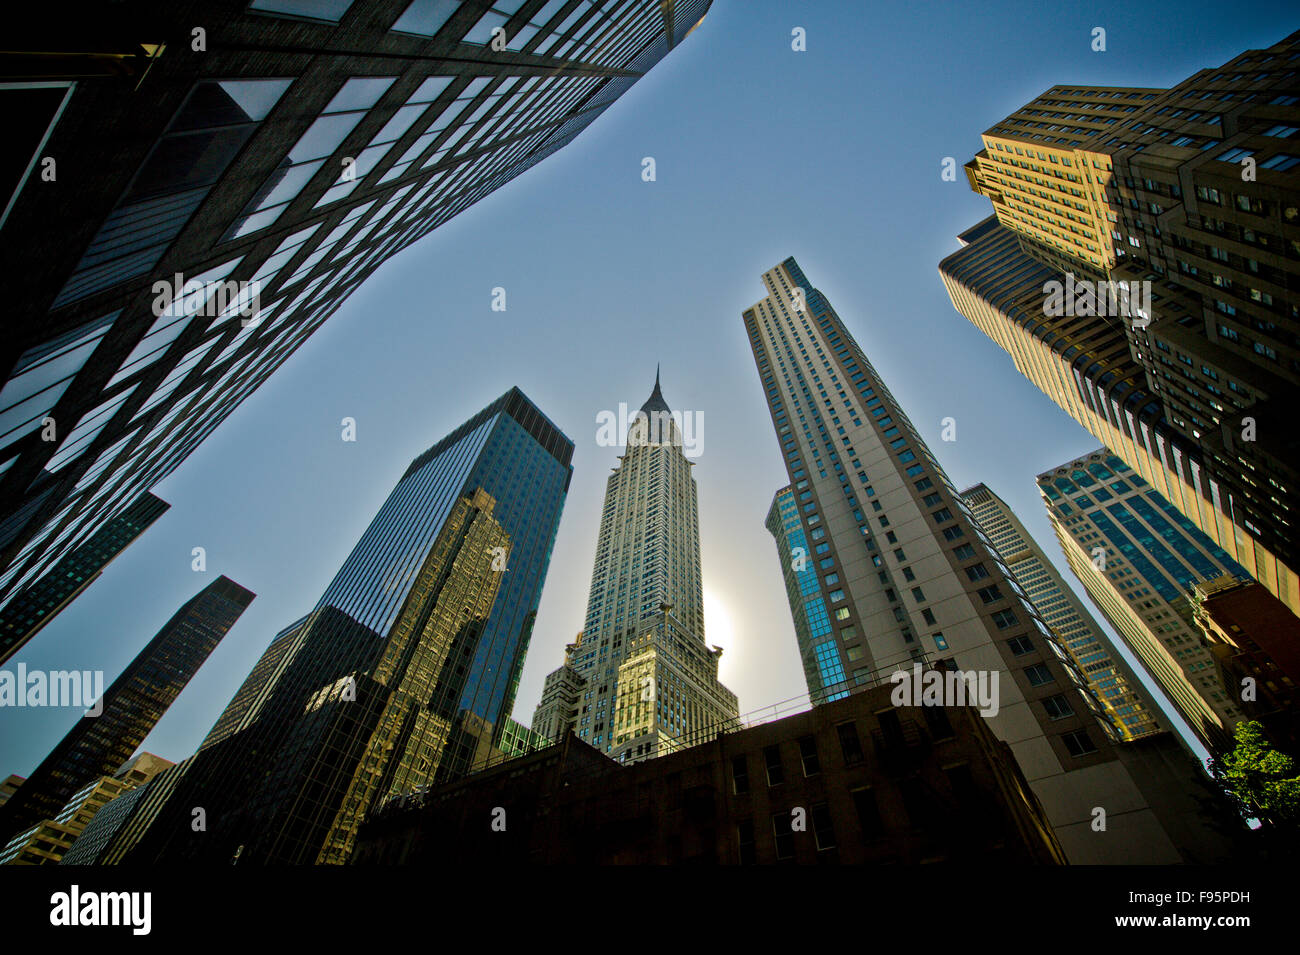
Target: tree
{"points": [[1262, 781]]}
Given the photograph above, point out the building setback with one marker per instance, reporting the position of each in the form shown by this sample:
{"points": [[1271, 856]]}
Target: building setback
{"points": [[406, 670], [1186, 197], [854, 781], [1139, 557], [908, 576], [134, 703], [252, 164], [648, 682], [1109, 678]]}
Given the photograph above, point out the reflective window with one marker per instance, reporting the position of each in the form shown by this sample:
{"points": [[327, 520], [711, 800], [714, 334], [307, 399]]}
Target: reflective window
{"points": [[207, 132], [43, 374], [308, 155], [200, 296], [331, 10], [426, 17], [86, 430]]}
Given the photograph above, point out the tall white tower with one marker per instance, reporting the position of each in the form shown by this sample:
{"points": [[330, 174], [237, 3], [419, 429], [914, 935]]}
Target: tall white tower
{"points": [[648, 676]]}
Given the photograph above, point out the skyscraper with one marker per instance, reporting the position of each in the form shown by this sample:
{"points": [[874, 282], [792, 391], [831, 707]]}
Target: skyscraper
{"points": [[48, 842], [1109, 678], [649, 681], [40, 602], [1139, 558], [406, 669], [911, 581], [1187, 199], [132, 705], [253, 693], [819, 651], [253, 163], [1256, 642]]}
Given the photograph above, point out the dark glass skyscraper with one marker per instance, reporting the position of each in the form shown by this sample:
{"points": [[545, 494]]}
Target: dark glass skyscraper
{"points": [[132, 706], [38, 603], [1139, 559], [406, 670], [284, 155]]}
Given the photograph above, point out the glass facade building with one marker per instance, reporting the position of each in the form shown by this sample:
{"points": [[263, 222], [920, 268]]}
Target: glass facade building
{"points": [[1140, 558], [250, 187], [406, 670], [132, 705], [39, 602], [823, 668], [252, 694], [1122, 697]]}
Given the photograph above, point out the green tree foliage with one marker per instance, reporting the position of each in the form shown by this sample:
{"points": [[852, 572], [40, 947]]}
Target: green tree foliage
{"points": [[1263, 782]]}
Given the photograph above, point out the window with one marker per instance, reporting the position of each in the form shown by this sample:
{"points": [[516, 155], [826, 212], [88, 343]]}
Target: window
{"points": [[990, 594], [1281, 162], [739, 775], [941, 515], [1005, 618], [1039, 675], [745, 841], [836, 596], [823, 831], [1020, 646], [203, 138], [850, 743], [976, 571], [1058, 707], [808, 755], [864, 801], [1078, 743], [331, 10], [783, 834], [42, 374], [964, 552], [952, 533], [772, 758], [425, 17], [317, 143]]}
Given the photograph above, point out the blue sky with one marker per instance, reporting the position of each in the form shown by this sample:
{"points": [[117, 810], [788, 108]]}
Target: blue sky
{"points": [[831, 155]]}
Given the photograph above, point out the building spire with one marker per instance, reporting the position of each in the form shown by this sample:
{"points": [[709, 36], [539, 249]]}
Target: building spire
{"points": [[656, 400]]}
